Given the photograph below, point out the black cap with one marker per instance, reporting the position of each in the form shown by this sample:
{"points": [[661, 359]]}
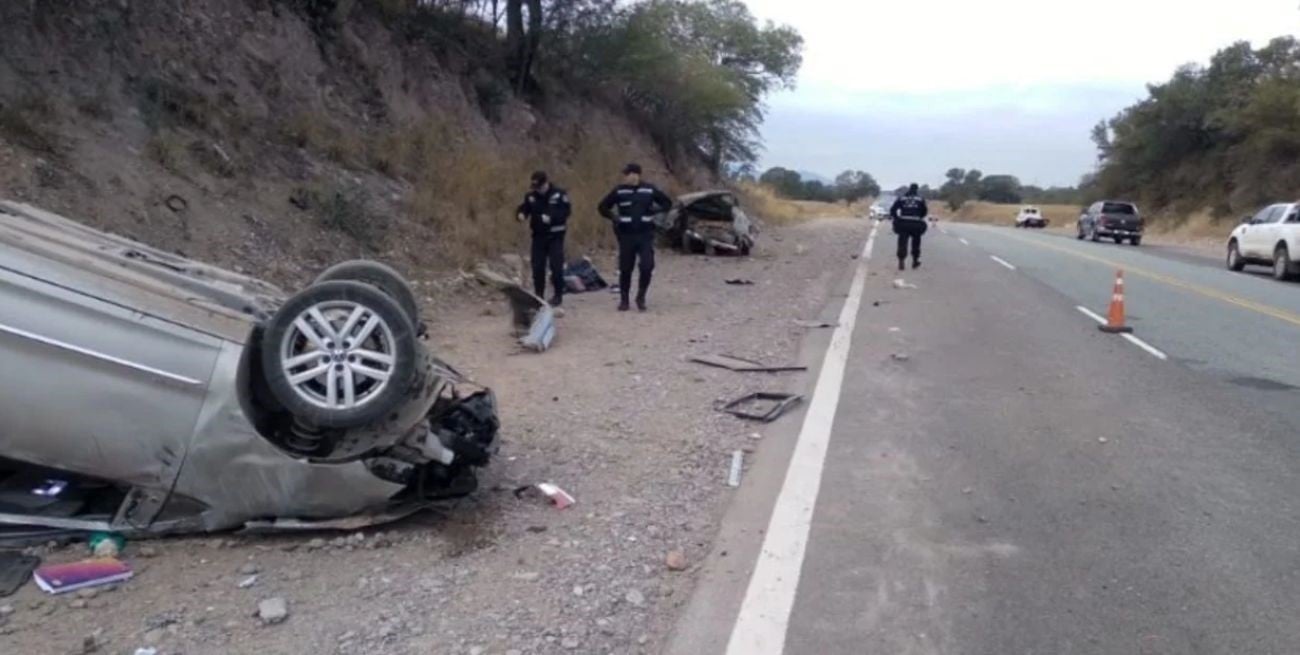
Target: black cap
{"points": [[632, 168], [539, 178], [913, 188]]}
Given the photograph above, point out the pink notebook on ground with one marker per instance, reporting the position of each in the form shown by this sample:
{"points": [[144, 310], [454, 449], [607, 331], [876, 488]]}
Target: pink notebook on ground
{"points": [[62, 578]]}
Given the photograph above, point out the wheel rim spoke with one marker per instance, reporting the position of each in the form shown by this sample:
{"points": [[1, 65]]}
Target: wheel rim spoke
{"points": [[305, 358], [374, 356], [309, 331], [307, 376], [323, 322], [372, 373], [351, 323], [332, 387], [367, 329], [349, 387]]}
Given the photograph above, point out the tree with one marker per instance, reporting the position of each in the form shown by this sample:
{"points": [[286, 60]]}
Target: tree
{"points": [[522, 44], [1000, 188], [852, 186], [783, 181]]}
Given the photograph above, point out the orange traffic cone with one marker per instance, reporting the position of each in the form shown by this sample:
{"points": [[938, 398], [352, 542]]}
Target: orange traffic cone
{"points": [[1115, 317]]}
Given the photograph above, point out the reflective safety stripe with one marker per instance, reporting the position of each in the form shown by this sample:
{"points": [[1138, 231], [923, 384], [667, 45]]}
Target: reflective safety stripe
{"points": [[625, 219], [625, 203], [647, 219], [626, 191], [559, 228], [643, 190]]}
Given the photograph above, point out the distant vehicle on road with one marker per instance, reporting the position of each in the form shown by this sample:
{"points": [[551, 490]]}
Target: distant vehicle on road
{"points": [[1270, 237], [1114, 219], [1030, 217]]}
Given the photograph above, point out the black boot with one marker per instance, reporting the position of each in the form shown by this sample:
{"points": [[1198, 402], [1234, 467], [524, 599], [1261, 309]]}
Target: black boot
{"points": [[557, 300], [902, 263], [916, 262], [623, 304], [640, 302]]}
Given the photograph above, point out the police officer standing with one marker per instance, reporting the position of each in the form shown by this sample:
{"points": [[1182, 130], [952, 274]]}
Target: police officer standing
{"points": [[546, 208], [909, 213], [632, 207]]}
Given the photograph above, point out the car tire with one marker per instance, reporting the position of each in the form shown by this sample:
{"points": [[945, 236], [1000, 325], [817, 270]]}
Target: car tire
{"points": [[1281, 264], [1137, 241], [381, 277], [1092, 234], [1079, 232], [1235, 260], [347, 390], [1119, 241]]}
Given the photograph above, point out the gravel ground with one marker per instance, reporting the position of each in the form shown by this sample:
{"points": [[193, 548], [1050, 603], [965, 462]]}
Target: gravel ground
{"points": [[613, 413]]}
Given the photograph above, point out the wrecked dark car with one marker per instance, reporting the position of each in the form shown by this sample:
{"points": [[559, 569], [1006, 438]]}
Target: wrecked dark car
{"points": [[145, 393], [709, 222]]}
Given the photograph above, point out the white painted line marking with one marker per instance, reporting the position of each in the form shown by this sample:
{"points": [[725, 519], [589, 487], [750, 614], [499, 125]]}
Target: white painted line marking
{"points": [[1145, 346], [1152, 350], [764, 617], [963, 241], [1002, 261], [1091, 314]]}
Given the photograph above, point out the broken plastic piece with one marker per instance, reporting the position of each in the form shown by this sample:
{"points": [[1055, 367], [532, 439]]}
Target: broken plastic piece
{"points": [[740, 282], [815, 324], [558, 497], [762, 406], [733, 363], [737, 463], [542, 332], [900, 283]]}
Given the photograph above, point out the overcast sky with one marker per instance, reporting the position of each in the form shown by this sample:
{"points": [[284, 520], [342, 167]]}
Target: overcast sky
{"points": [[906, 91]]}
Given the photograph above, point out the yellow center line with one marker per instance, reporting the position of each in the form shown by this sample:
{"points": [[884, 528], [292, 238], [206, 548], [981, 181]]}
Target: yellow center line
{"points": [[1267, 310]]}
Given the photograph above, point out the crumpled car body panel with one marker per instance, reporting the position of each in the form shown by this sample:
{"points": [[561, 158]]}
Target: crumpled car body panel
{"points": [[708, 222], [125, 401]]}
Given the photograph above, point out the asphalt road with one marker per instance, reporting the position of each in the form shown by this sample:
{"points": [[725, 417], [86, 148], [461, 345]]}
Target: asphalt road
{"points": [[1002, 477]]}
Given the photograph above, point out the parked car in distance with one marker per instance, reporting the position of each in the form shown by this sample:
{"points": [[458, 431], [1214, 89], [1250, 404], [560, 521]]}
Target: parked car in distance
{"points": [[1029, 216], [158, 394], [1111, 219], [1269, 237]]}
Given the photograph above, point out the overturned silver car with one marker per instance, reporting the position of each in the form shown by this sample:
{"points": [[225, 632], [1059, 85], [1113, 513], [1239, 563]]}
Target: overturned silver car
{"points": [[709, 222], [142, 392]]}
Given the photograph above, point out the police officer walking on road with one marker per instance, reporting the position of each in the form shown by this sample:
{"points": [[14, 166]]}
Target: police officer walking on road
{"points": [[632, 207], [909, 213], [546, 208]]}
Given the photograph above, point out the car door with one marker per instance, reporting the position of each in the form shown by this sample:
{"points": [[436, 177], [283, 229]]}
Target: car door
{"points": [[1270, 231], [1252, 237], [91, 386]]}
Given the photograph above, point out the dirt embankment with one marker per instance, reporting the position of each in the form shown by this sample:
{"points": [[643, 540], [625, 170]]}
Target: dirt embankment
{"points": [[236, 132]]}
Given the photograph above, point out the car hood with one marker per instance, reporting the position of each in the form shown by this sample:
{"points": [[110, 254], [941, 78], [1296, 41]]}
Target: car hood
{"points": [[130, 274]]}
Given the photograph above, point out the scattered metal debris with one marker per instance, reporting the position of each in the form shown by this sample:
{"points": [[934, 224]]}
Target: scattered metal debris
{"points": [[801, 322], [762, 406], [558, 497], [176, 203], [900, 283], [733, 363], [534, 320], [740, 282], [15, 570], [737, 464]]}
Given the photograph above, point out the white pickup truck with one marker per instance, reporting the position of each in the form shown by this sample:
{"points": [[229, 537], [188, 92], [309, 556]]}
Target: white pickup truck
{"points": [[1270, 237], [1030, 217]]}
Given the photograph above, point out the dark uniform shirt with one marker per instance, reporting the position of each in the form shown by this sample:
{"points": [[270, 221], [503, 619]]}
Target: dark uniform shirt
{"points": [[632, 207], [909, 207], [554, 203]]}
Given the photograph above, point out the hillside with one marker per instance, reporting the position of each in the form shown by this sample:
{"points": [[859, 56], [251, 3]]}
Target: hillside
{"points": [[245, 133]]}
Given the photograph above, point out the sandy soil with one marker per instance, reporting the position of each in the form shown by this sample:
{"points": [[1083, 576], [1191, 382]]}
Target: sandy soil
{"points": [[614, 414]]}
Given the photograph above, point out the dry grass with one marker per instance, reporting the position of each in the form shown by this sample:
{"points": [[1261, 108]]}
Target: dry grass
{"points": [[167, 149], [998, 214], [317, 133], [1195, 228], [762, 203]]}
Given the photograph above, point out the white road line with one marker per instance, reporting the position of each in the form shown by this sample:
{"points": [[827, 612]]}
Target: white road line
{"points": [[1091, 314], [1145, 346], [963, 241], [760, 628], [1152, 350], [1002, 261]]}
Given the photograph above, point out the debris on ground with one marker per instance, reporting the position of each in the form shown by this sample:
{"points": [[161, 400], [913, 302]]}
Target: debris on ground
{"points": [[675, 561], [737, 464], [733, 363], [762, 406], [272, 611], [815, 324], [581, 276], [534, 319], [900, 283], [740, 282], [106, 544], [900, 357], [1102, 440], [558, 497], [63, 578], [15, 570], [146, 651], [247, 582]]}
